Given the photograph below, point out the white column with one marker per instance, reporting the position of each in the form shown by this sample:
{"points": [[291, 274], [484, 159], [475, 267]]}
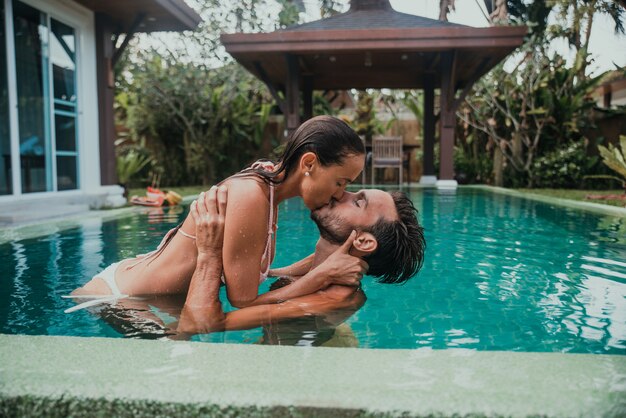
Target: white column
{"points": [[13, 117]]}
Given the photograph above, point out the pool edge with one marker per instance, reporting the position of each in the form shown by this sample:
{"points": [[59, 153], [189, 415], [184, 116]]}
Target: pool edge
{"points": [[49, 226], [82, 376], [568, 203]]}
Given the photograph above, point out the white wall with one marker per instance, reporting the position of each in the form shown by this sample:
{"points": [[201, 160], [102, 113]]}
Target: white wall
{"points": [[82, 20]]}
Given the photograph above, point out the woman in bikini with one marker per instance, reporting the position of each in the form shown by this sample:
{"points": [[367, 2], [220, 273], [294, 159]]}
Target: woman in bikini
{"points": [[321, 158]]}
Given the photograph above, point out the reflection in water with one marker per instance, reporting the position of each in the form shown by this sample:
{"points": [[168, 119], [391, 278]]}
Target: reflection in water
{"points": [[501, 273], [158, 317], [20, 291]]}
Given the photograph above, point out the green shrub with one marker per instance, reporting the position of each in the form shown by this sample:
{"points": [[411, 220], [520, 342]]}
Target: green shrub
{"points": [[472, 169], [564, 167]]}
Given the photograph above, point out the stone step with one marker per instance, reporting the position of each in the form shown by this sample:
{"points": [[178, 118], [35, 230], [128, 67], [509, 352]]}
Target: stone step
{"points": [[36, 212]]}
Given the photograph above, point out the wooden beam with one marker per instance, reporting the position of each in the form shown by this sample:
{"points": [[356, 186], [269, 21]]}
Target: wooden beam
{"points": [[607, 98], [358, 40], [129, 35], [448, 61], [307, 97], [470, 83], [447, 122], [433, 63], [306, 69], [104, 76], [273, 91], [293, 94], [429, 125]]}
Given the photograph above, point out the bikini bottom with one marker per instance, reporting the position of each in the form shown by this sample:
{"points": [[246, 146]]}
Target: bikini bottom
{"points": [[108, 275]]}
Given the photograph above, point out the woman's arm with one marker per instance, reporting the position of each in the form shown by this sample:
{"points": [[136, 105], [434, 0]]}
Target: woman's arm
{"points": [[333, 309]]}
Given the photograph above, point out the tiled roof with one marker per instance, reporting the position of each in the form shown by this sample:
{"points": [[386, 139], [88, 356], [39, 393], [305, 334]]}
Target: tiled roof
{"points": [[372, 19]]}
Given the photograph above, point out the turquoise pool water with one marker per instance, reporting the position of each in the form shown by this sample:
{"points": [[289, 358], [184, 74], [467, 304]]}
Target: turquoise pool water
{"points": [[501, 273]]}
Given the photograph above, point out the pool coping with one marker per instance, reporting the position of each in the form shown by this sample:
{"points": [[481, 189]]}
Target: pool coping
{"points": [[48, 375], [569, 203], [51, 226]]}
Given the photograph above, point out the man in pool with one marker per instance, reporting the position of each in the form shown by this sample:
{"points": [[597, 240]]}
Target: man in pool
{"points": [[379, 227]]}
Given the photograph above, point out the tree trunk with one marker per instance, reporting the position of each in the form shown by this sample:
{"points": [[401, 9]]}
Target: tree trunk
{"points": [[500, 13], [498, 166], [517, 146], [444, 8], [208, 174]]}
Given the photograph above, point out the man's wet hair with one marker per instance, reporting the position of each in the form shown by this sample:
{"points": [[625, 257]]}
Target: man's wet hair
{"points": [[401, 244]]}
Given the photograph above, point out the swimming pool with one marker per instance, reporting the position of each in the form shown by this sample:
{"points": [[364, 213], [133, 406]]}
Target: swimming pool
{"points": [[501, 273]]}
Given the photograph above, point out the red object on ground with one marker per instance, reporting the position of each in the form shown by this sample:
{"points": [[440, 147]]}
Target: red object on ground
{"points": [[147, 200], [606, 197]]}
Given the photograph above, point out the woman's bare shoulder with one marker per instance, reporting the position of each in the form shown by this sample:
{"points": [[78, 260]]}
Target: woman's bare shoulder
{"points": [[246, 189]]}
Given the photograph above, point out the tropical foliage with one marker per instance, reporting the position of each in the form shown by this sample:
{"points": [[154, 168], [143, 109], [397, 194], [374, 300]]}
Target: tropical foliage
{"points": [[615, 158], [530, 121], [196, 116], [537, 107], [129, 165], [201, 123]]}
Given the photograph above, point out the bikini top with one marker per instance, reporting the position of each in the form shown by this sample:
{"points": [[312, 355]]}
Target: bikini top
{"points": [[271, 229]]}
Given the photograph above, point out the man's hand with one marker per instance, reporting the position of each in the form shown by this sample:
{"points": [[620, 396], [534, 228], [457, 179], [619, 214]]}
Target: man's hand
{"points": [[343, 268], [208, 213]]}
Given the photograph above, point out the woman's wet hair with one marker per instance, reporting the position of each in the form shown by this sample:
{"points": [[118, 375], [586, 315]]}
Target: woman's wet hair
{"points": [[329, 138], [401, 244]]}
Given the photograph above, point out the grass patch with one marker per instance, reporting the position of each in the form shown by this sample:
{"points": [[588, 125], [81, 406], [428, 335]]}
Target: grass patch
{"points": [[579, 195]]}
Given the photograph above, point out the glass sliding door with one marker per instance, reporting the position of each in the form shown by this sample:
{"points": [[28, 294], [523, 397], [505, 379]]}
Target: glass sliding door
{"points": [[45, 64], [63, 60], [6, 179], [31, 64]]}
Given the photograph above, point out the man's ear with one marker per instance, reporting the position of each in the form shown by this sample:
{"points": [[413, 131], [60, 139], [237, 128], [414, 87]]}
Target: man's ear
{"points": [[307, 161], [364, 244]]}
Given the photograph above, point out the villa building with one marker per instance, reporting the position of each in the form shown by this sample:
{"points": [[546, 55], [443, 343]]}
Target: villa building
{"points": [[56, 95]]}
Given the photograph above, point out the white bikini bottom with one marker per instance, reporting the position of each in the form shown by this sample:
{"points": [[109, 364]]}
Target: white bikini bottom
{"points": [[108, 275]]}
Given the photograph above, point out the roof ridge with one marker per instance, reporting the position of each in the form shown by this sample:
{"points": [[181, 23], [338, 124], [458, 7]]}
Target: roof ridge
{"points": [[370, 19]]}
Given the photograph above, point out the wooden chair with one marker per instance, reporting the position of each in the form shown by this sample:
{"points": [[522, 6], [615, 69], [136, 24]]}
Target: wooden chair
{"points": [[387, 152]]}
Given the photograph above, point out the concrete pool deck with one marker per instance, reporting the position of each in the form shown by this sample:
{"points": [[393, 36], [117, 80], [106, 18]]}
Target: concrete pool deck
{"points": [[63, 376]]}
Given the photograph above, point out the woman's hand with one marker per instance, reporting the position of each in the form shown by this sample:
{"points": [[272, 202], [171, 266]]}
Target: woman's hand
{"points": [[342, 268], [201, 320], [208, 213], [203, 312]]}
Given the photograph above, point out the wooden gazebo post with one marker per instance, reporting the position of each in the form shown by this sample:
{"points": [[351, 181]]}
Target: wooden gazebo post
{"points": [[292, 94], [447, 120], [428, 159]]}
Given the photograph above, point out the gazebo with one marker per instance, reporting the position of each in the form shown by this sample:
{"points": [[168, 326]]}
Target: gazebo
{"points": [[374, 46]]}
